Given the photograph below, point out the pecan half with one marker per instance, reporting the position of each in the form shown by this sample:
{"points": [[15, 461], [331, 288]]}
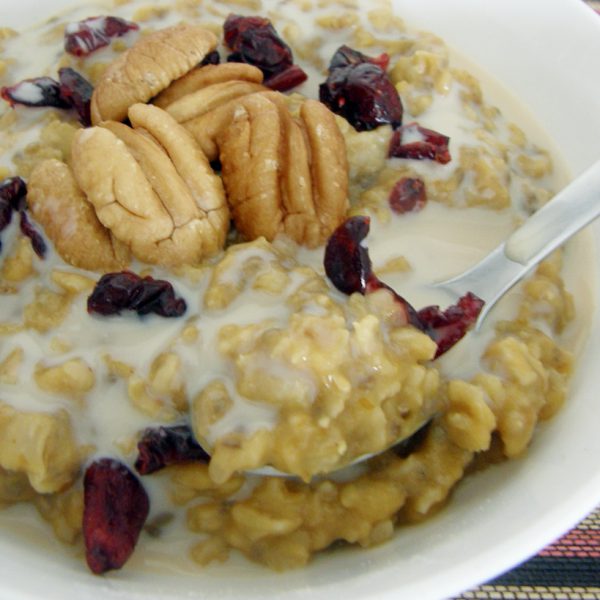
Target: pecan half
{"points": [[328, 163], [206, 127], [152, 186], [206, 99], [204, 76], [69, 220], [147, 68], [303, 182]]}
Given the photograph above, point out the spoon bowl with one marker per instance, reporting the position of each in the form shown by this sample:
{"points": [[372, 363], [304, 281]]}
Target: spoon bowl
{"points": [[577, 205]]}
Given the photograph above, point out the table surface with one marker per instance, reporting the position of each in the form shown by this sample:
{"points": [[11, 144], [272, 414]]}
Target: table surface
{"points": [[569, 569]]}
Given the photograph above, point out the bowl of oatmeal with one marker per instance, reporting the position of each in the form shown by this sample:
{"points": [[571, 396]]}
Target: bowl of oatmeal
{"points": [[279, 340]]}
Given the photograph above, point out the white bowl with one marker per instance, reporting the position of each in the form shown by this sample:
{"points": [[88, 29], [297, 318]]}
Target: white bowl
{"points": [[548, 54]]}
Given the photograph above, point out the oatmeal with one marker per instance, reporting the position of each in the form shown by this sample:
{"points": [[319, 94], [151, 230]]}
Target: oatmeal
{"points": [[211, 248]]}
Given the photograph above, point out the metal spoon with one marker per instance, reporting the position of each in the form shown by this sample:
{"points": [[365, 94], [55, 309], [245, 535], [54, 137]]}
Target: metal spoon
{"points": [[569, 211], [577, 205]]}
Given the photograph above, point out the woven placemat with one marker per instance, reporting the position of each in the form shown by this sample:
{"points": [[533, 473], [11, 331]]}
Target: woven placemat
{"points": [[569, 569]]}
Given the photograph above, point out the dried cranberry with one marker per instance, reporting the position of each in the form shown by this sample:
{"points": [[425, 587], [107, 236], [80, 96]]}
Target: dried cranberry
{"points": [[13, 192], [363, 94], [449, 326], [286, 80], [12, 198], [348, 266], [164, 446], [77, 92], [127, 291], [73, 91], [91, 34], [414, 141], [347, 261], [345, 56], [6, 212], [39, 91], [408, 195], [255, 41], [212, 58], [114, 511], [28, 230]]}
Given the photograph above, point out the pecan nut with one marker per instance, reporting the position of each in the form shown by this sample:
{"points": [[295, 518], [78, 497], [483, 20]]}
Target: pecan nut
{"points": [[303, 183], [206, 127], [152, 186], [205, 76], [149, 67], [206, 99], [69, 220]]}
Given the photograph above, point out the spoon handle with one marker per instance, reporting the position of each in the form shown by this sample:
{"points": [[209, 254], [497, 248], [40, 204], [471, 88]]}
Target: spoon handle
{"points": [[570, 210]]}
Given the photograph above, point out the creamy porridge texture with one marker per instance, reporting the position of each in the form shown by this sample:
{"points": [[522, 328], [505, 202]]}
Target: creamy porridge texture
{"points": [[195, 248]]}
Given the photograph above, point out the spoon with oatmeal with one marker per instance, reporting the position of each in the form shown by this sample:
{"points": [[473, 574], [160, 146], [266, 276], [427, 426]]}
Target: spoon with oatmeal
{"points": [[348, 266]]}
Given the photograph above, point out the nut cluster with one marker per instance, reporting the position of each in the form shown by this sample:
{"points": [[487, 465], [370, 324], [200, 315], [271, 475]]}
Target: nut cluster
{"points": [[147, 189]]}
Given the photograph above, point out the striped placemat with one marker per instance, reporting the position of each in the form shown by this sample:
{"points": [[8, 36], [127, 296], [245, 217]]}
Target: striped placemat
{"points": [[569, 569]]}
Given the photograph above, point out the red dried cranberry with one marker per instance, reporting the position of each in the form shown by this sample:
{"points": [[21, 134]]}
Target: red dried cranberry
{"points": [[13, 192], [255, 41], [35, 237], [347, 261], [39, 91], [12, 198], [89, 35], [115, 508], [77, 92], [345, 56], [363, 94], [408, 195], [414, 141], [212, 58], [73, 91], [164, 446], [286, 80], [449, 326], [348, 266], [115, 292], [6, 212]]}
